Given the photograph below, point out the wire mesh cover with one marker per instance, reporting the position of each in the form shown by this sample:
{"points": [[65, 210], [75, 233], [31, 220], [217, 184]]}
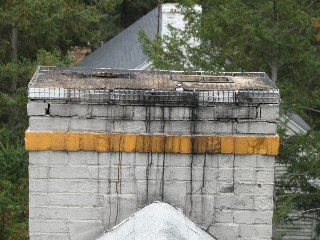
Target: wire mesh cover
{"points": [[112, 86], [150, 97]]}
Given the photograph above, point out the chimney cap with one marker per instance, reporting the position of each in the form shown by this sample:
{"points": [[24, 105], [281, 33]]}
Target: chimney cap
{"points": [[51, 82]]}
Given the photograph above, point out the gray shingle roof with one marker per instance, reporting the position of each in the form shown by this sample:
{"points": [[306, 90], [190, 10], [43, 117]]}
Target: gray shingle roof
{"points": [[124, 50]]}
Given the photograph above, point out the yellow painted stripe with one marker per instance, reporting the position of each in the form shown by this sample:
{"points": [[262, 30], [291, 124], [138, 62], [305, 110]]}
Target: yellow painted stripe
{"points": [[109, 142]]}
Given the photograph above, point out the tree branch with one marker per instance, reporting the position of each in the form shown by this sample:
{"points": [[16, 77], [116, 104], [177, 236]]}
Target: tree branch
{"points": [[296, 216]]}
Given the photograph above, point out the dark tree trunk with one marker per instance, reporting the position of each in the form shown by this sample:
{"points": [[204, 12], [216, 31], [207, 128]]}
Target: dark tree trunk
{"points": [[14, 54], [13, 114]]}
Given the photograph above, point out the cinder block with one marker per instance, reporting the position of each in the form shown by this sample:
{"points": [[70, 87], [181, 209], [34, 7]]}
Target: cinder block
{"points": [[254, 189], [203, 187], [171, 188], [93, 191], [150, 189], [126, 126], [178, 160], [139, 112], [128, 159], [206, 113], [38, 172], [225, 160], [118, 173], [253, 217], [96, 124], [73, 172], [169, 127], [141, 189], [47, 226], [58, 158], [256, 231], [265, 176], [245, 175], [127, 207], [263, 202], [72, 186], [64, 200], [70, 110], [224, 231], [225, 174], [235, 112], [38, 199], [269, 112], [215, 127], [39, 158], [203, 211], [114, 112], [175, 173], [48, 236], [110, 210], [266, 162], [147, 172], [224, 216], [76, 200], [84, 158], [245, 161], [61, 110], [225, 187], [38, 185], [263, 217], [168, 113], [255, 127], [244, 217], [229, 201], [85, 229], [37, 108], [197, 160], [64, 213], [213, 160], [180, 113], [206, 174], [45, 123]]}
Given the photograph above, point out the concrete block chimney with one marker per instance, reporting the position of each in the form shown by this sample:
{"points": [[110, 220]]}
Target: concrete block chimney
{"points": [[105, 143]]}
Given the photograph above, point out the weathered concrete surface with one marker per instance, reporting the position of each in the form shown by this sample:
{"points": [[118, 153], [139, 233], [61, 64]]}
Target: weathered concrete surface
{"points": [[116, 112], [157, 221], [217, 192], [77, 194]]}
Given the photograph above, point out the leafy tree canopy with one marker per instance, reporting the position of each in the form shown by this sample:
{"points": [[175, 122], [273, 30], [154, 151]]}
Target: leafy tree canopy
{"points": [[32, 33], [277, 37]]}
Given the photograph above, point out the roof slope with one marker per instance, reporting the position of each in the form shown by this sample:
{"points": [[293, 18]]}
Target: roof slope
{"points": [[124, 51], [158, 221]]}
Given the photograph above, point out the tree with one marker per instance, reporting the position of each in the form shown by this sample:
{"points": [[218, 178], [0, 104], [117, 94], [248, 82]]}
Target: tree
{"points": [[299, 188], [277, 37], [34, 32]]}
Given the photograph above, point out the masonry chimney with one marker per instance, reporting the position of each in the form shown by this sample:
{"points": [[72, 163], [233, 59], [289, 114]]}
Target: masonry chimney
{"points": [[105, 143]]}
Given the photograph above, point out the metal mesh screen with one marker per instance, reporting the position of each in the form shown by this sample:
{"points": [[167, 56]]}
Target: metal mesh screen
{"points": [[151, 97]]}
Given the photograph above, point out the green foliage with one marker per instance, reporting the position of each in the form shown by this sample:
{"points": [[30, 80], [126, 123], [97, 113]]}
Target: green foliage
{"points": [[299, 188], [301, 155], [13, 187], [46, 31], [277, 37], [54, 58], [317, 230]]}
